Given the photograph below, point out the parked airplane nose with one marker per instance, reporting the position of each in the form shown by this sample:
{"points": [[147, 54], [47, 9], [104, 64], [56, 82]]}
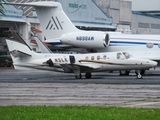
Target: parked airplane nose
{"points": [[152, 63]]}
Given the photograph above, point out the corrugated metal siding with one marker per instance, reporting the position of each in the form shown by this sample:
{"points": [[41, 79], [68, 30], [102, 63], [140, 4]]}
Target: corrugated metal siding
{"points": [[144, 24]]}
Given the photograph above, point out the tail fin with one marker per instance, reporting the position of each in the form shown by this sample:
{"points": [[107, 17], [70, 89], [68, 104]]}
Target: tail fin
{"points": [[19, 52], [54, 22]]}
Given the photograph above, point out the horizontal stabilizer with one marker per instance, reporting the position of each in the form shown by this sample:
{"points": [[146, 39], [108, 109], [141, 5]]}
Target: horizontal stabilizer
{"points": [[17, 53]]}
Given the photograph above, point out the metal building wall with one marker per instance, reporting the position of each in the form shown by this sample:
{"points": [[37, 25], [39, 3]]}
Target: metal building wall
{"points": [[119, 10], [145, 25], [125, 12], [145, 5]]}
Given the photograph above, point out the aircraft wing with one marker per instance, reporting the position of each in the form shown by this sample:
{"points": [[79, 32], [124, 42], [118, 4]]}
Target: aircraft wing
{"points": [[79, 67]]}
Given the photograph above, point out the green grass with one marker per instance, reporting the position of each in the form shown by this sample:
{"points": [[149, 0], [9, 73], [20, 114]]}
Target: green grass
{"points": [[77, 113]]}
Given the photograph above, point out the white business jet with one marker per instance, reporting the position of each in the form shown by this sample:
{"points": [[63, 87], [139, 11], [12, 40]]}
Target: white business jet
{"points": [[24, 57]]}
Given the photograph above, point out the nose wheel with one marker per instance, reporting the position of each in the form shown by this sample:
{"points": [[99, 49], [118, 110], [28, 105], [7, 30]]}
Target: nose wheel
{"points": [[139, 76], [138, 73]]}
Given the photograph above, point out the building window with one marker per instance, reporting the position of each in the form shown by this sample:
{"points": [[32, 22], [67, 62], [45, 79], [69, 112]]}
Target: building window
{"points": [[2, 30], [155, 26], [143, 25]]}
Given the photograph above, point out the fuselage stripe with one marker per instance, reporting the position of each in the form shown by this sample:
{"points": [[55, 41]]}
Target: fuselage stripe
{"points": [[127, 42], [116, 42]]}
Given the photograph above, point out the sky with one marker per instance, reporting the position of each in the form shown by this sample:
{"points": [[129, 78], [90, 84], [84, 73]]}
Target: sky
{"points": [[140, 5]]}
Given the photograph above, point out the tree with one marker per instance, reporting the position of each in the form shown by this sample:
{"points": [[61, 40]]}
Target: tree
{"points": [[1, 7]]}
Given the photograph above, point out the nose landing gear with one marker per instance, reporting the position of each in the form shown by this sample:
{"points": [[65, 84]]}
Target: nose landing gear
{"points": [[139, 75]]}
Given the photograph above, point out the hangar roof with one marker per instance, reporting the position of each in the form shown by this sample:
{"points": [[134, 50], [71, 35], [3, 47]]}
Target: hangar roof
{"points": [[12, 19]]}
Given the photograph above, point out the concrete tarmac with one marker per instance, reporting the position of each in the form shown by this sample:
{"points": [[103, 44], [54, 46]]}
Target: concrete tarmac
{"points": [[51, 88]]}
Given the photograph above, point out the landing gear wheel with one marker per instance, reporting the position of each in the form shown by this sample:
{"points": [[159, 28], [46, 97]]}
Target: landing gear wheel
{"points": [[139, 76], [78, 76], [124, 73], [88, 75]]}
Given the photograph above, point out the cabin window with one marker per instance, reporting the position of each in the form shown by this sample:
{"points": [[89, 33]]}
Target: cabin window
{"points": [[150, 45], [104, 57], [98, 57], [92, 58], [86, 58]]}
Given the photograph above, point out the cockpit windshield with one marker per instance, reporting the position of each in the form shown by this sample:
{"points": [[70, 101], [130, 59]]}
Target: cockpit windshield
{"points": [[119, 55], [127, 55], [123, 55]]}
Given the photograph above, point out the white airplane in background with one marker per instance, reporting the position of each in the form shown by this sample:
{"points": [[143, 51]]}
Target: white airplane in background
{"points": [[59, 31], [24, 57]]}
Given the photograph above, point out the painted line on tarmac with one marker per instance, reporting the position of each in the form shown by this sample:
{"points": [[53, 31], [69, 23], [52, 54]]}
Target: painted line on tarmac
{"points": [[142, 104]]}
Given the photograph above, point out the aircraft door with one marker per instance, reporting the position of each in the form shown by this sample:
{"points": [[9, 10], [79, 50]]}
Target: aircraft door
{"points": [[72, 59]]}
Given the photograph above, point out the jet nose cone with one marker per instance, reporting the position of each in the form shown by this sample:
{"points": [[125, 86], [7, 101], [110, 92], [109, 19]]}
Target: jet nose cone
{"points": [[152, 63]]}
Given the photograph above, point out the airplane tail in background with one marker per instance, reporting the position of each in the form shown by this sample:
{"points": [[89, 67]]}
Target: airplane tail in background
{"points": [[42, 47], [54, 22]]}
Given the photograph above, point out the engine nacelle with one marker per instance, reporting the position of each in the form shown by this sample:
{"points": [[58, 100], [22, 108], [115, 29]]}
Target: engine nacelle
{"points": [[86, 39]]}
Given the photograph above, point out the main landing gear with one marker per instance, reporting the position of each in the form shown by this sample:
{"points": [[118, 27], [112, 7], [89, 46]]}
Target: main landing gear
{"points": [[88, 75], [78, 76], [124, 73]]}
